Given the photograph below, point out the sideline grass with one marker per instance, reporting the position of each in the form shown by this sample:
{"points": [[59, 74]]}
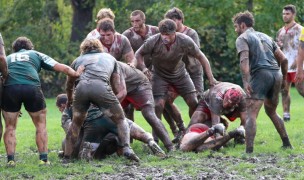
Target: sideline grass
{"points": [[267, 143]]}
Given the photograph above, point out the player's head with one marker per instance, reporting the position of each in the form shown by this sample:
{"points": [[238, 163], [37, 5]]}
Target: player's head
{"points": [[89, 45], [244, 17], [289, 13], [232, 98], [61, 101], [167, 29], [242, 20], [22, 43], [138, 19], [105, 13], [175, 14]]}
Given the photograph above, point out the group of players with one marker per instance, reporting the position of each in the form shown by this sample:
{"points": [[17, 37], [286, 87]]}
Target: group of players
{"points": [[146, 68]]}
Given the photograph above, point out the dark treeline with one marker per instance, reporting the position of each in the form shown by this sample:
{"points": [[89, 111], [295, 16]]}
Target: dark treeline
{"points": [[56, 27]]}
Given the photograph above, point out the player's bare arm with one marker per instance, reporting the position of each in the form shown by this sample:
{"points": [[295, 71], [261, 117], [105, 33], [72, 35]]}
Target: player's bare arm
{"points": [[283, 62], [3, 64], [130, 58], [300, 58], [207, 69], [119, 86], [245, 70], [69, 89]]}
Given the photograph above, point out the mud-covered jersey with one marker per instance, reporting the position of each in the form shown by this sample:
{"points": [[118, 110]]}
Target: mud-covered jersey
{"points": [[193, 66], [133, 77], [137, 40], [97, 66], [119, 47], [261, 50], [94, 34], [289, 38], [214, 98], [24, 66], [167, 60]]}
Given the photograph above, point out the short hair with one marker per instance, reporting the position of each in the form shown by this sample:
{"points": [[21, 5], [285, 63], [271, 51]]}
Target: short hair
{"points": [[167, 26], [291, 8], [105, 13], [61, 99], [244, 17], [106, 24], [88, 45], [22, 43], [175, 13], [138, 12]]}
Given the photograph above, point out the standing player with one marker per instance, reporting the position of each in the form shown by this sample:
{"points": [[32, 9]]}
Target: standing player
{"points": [[167, 50], [139, 94], [3, 71], [288, 40], [193, 67], [139, 32], [114, 43], [22, 85], [95, 86], [259, 60]]}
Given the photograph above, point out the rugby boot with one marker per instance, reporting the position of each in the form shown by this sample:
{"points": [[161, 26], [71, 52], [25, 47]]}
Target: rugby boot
{"points": [[11, 163], [239, 135], [44, 163], [156, 150], [286, 117], [218, 128], [86, 152], [179, 136], [129, 154]]}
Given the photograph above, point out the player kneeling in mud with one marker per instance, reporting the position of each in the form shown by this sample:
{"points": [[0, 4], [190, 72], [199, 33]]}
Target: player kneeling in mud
{"points": [[99, 137]]}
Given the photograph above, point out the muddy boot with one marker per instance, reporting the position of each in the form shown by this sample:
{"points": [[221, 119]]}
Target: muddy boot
{"points": [[218, 128], [179, 136], [129, 153], [239, 136], [156, 150], [86, 152]]}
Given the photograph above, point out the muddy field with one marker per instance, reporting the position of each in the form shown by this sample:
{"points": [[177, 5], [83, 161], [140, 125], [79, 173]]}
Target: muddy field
{"points": [[211, 167]]}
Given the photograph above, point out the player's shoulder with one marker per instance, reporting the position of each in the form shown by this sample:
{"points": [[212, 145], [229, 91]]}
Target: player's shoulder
{"points": [[127, 32]]}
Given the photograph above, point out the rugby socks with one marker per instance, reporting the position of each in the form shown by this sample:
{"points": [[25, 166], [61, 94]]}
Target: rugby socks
{"points": [[43, 156], [10, 158]]}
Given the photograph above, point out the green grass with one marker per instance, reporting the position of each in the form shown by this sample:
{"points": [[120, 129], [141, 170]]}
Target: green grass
{"points": [[231, 159]]}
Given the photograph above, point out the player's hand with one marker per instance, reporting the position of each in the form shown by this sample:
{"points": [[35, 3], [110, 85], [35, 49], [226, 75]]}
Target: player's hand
{"points": [[248, 89], [69, 103], [284, 86], [80, 70], [213, 82], [299, 76], [131, 65], [148, 73]]}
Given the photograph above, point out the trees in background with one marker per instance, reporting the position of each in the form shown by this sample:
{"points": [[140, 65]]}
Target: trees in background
{"points": [[57, 27]]}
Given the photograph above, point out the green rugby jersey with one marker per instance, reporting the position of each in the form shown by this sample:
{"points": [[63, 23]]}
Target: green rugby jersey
{"points": [[24, 66]]}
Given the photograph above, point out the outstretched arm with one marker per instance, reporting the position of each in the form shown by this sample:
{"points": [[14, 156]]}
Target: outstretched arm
{"points": [[207, 69], [68, 70], [119, 86]]}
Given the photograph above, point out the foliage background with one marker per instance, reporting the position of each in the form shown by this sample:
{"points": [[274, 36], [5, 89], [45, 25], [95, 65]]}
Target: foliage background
{"points": [[56, 27]]}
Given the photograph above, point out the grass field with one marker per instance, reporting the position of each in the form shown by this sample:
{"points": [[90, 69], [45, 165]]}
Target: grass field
{"points": [[268, 161]]}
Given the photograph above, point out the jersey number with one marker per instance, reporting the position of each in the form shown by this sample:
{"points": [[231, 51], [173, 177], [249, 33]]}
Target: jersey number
{"points": [[20, 57]]}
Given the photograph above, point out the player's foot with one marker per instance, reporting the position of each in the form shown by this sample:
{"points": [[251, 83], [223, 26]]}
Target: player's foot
{"points": [[11, 163], [179, 136], [218, 128], [86, 152], [129, 154], [239, 135], [157, 151], [44, 163], [286, 117], [60, 154]]}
